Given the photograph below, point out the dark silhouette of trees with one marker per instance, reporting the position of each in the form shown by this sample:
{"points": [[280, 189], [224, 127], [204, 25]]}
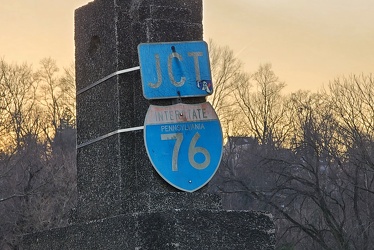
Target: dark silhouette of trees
{"points": [[37, 149], [17, 106], [306, 157], [262, 106], [227, 73], [56, 96]]}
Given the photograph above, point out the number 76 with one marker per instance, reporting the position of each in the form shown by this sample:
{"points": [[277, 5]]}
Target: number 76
{"points": [[192, 151]]}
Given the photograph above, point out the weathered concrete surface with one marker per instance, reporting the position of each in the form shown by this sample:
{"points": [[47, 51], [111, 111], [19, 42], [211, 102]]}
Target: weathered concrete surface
{"points": [[173, 229], [114, 174]]}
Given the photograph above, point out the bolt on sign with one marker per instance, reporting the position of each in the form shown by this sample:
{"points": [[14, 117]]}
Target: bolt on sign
{"points": [[183, 141]]}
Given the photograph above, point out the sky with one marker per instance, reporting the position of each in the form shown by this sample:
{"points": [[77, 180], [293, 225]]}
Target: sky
{"points": [[308, 43]]}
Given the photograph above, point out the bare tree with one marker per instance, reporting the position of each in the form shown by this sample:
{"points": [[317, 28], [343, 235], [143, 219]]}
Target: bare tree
{"points": [[319, 185], [18, 116], [56, 96], [352, 103], [263, 108], [37, 151], [227, 73], [67, 83]]}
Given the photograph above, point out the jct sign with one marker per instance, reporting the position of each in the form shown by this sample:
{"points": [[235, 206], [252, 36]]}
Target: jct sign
{"points": [[178, 69], [184, 143]]}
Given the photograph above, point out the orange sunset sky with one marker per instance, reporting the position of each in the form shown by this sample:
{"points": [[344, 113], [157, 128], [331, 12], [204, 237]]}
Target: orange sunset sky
{"points": [[309, 43]]}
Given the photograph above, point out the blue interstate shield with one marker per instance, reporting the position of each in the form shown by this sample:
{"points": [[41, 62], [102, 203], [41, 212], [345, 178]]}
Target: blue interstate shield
{"points": [[184, 143]]}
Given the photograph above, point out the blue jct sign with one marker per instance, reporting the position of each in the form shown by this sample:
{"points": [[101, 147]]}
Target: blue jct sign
{"points": [[177, 69], [184, 143]]}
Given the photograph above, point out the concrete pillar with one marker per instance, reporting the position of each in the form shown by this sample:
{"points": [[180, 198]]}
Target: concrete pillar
{"points": [[114, 174]]}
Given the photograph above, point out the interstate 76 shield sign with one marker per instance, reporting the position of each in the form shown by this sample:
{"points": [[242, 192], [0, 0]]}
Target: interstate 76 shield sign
{"points": [[184, 143]]}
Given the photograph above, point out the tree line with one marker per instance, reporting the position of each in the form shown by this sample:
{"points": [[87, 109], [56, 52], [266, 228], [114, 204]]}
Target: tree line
{"points": [[306, 157], [37, 148]]}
